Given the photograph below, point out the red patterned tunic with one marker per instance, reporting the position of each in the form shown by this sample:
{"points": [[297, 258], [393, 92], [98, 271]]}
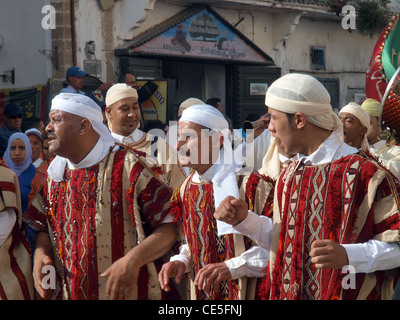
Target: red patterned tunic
{"points": [[193, 207], [351, 200], [98, 214]]}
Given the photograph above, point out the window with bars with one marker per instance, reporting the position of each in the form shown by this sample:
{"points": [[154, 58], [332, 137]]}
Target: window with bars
{"points": [[317, 58]]}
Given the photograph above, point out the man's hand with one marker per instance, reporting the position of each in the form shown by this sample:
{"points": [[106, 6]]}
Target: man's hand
{"points": [[105, 86], [171, 269], [266, 118], [122, 276], [231, 211], [43, 256], [123, 273], [211, 275], [328, 254]]}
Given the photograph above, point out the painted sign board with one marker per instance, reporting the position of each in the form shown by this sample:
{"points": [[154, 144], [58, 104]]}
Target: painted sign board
{"points": [[202, 35]]}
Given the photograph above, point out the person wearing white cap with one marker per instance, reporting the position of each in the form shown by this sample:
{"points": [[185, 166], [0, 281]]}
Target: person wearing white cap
{"points": [[221, 262], [386, 150], [356, 124], [332, 207], [96, 202], [35, 137], [172, 134], [123, 118]]}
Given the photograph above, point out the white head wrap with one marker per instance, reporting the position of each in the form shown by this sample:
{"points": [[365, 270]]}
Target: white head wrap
{"points": [[190, 102], [223, 175], [85, 107], [120, 91], [362, 115], [303, 93]]}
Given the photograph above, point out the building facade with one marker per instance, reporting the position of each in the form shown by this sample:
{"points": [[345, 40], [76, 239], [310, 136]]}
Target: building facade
{"points": [[106, 38]]}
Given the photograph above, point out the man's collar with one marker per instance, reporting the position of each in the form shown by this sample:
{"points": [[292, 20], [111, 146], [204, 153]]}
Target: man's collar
{"points": [[330, 150], [208, 175], [135, 136]]}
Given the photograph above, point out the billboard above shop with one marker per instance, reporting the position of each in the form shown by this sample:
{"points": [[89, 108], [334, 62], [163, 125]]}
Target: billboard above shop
{"points": [[202, 35]]}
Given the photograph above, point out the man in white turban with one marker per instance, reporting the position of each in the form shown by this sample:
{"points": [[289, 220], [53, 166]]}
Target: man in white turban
{"points": [[123, 115], [96, 202], [385, 149], [172, 134], [356, 124], [222, 264], [332, 207]]}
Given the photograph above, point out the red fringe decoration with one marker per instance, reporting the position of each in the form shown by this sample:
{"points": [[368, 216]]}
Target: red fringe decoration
{"points": [[135, 173], [176, 206], [117, 207], [251, 187], [157, 170]]}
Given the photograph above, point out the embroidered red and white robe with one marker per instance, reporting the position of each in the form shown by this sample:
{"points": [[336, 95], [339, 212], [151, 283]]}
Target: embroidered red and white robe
{"points": [[350, 200], [96, 215], [193, 207], [16, 282]]}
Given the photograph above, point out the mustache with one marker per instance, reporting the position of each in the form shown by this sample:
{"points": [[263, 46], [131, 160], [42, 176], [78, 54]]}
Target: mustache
{"points": [[52, 134]]}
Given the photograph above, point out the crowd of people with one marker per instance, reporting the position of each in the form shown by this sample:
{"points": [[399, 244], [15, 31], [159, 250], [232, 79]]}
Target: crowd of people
{"points": [[188, 212]]}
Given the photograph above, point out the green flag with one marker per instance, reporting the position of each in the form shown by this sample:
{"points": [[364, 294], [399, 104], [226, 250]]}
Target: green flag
{"points": [[391, 51]]}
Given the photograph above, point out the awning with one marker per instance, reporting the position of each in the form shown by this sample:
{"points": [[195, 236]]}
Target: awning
{"points": [[196, 33]]}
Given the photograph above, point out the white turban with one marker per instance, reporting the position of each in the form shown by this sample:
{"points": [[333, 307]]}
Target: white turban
{"points": [[303, 93], [85, 107], [120, 91], [362, 115], [190, 102], [223, 175], [205, 115]]}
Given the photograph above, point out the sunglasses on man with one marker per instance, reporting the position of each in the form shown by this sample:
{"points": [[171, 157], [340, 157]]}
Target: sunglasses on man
{"points": [[14, 116]]}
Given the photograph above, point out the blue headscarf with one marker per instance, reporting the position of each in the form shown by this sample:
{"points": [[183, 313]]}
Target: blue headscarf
{"points": [[19, 168]]}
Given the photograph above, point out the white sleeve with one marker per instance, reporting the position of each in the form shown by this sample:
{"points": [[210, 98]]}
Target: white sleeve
{"points": [[373, 255], [250, 263], [7, 221], [258, 228], [183, 256], [167, 219]]}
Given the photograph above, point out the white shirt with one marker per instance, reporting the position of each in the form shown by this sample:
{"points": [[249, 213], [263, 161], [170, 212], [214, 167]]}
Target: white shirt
{"points": [[70, 89], [377, 145], [389, 156], [135, 136], [37, 163], [364, 257]]}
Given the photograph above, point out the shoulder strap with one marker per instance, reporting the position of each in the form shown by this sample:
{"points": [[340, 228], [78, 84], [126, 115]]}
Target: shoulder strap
{"points": [[139, 158]]}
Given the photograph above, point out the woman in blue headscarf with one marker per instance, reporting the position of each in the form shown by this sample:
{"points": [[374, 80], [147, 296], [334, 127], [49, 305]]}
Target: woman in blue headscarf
{"points": [[18, 157]]}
